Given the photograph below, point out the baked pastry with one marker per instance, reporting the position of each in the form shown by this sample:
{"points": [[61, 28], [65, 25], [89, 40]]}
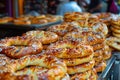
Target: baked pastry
{"points": [[80, 68], [115, 20], [46, 37], [100, 67], [100, 27], [69, 49], [98, 59], [22, 22], [116, 34], [113, 42], [4, 60], [98, 52], [116, 27], [77, 61], [94, 75], [6, 20], [89, 37], [74, 16], [61, 29], [16, 47], [81, 76], [107, 52], [53, 69], [38, 21], [115, 30], [98, 46]]}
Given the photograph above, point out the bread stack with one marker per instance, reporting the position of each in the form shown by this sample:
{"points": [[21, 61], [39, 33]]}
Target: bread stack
{"points": [[99, 30], [20, 58], [77, 56], [115, 26]]}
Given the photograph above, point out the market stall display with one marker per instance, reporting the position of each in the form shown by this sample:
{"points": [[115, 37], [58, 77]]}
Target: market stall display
{"points": [[79, 47], [29, 20]]}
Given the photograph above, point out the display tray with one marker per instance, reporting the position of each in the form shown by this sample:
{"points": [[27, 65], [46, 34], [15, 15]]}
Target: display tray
{"points": [[28, 27], [10, 29], [112, 71]]}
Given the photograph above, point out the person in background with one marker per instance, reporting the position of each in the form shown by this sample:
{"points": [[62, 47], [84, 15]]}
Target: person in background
{"points": [[52, 6], [112, 7], [68, 6], [35, 6], [95, 6], [84, 4]]}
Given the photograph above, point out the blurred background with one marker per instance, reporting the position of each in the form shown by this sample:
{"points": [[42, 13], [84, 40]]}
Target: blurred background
{"points": [[16, 8]]}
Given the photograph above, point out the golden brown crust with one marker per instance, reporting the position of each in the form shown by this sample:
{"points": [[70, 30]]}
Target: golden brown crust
{"points": [[115, 30], [4, 60], [116, 27], [116, 34], [81, 76], [115, 21], [94, 75], [69, 49], [74, 16], [98, 52], [80, 68], [61, 29], [100, 67], [107, 55], [6, 19], [17, 47], [113, 42], [100, 27], [87, 36], [43, 19], [39, 21], [55, 68], [46, 37], [107, 52], [66, 77], [98, 46], [77, 61], [22, 22], [98, 59]]}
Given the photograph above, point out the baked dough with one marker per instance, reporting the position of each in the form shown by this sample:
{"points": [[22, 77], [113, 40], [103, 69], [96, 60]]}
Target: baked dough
{"points": [[116, 34], [46, 37], [89, 37], [77, 61], [113, 42], [69, 49], [16, 47], [115, 30], [53, 69], [80, 68], [100, 67], [81, 76]]}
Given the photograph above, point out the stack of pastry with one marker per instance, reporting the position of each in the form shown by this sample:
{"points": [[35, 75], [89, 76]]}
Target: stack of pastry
{"points": [[21, 59], [6, 20], [114, 43], [96, 40], [93, 35], [115, 26], [77, 56], [46, 37], [105, 18], [22, 20], [75, 16], [42, 19]]}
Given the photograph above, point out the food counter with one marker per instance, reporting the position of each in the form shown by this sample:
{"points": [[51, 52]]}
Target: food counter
{"points": [[82, 42]]}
